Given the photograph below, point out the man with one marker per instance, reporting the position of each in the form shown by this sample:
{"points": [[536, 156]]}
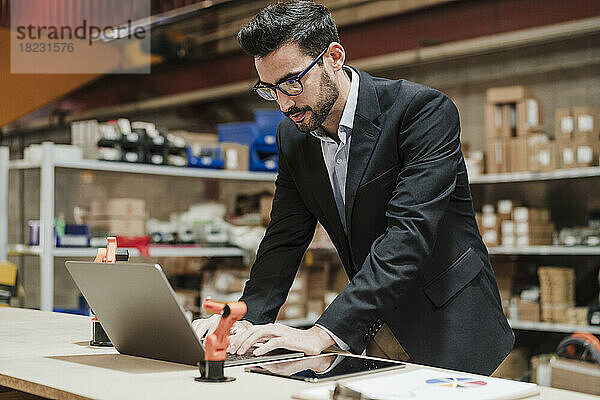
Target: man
{"points": [[378, 164]]}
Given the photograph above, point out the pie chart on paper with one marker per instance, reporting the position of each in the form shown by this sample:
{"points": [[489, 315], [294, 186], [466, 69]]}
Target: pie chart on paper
{"points": [[459, 383]]}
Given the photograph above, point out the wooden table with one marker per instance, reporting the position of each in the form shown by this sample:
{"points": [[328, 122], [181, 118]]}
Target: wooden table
{"points": [[47, 354]]}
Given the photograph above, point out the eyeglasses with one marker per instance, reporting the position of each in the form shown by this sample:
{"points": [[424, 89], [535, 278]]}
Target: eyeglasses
{"points": [[290, 87]]}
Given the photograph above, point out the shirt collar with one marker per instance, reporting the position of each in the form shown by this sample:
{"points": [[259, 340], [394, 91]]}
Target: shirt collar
{"points": [[347, 119]]}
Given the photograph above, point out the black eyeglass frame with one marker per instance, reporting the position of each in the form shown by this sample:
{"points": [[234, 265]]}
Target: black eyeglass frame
{"points": [[297, 79]]}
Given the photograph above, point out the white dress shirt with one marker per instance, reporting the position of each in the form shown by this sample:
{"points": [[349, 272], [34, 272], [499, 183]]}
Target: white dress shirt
{"points": [[336, 160]]}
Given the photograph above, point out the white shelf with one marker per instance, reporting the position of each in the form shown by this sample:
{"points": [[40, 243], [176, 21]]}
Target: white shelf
{"points": [[109, 166], [155, 251], [552, 327], [573, 173], [545, 250]]}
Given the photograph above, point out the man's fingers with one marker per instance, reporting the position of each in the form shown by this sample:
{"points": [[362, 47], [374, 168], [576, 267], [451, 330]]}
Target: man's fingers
{"points": [[203, 327], [240, 337], [256, 334], [271, 344]]}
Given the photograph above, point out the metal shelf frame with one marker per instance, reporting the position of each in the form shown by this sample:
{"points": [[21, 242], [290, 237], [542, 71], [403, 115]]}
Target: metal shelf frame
{"points": [[552, 327], [48, 166], [545, 251], [514, 177], [155, 251], [46, 250]]}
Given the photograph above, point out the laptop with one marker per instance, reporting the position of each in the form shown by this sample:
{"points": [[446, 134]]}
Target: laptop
{"points": [[141, 315]]}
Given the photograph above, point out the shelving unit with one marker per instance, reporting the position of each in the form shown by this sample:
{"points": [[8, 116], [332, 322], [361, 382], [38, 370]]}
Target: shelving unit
{"points": [[573, 173], [46, 250], [545, 251], [155, 251], [551, 327]]}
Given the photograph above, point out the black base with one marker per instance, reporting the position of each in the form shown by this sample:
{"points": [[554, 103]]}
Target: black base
{"points": [[101, 344], [220, 380]]}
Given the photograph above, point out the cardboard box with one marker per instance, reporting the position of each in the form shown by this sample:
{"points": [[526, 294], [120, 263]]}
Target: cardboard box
{"points": [[509, 240], [585, 120], [508, 94], [529, 116], [529, 311], [540, 237], [125, 226], [493, 121], [490, 237], [579, 376], [490, 221], [587, 149], [566, 152], [531, 228], [531, 215], [541, 153], [497, 156], [196, 138], [505, 207], [507, 228], [509, 121], [127, 207], [519, 161], [237, 156], [563, 122], [111, 208]]}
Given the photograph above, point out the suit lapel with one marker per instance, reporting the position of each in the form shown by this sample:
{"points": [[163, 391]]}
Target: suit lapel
{"points": [[362, 143]]}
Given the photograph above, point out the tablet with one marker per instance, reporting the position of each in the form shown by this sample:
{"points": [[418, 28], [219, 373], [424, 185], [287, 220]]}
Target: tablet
{"points": [[325, 367]]}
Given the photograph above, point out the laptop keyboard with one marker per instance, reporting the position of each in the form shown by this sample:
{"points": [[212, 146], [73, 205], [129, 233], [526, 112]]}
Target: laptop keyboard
{"points": [[249, 355]]}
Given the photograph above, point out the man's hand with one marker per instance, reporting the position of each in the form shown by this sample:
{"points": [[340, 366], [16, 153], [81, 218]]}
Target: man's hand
{"points": [[275, 336], [204, 327]]}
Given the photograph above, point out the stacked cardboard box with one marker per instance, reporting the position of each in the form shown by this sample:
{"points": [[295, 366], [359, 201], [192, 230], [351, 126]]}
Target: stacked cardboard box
{"points": [[120, 217], [489, 224], [515, 226], [528, 310], [577, 316], [577, 136], [580, 376], [532, 227], [557, 285], [513, 125]]}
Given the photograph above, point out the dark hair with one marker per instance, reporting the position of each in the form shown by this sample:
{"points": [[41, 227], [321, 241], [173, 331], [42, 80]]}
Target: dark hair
{"points": [[303, 22]]}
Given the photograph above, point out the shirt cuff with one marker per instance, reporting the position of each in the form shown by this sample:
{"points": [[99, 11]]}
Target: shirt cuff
{"points": [[340, 343]]}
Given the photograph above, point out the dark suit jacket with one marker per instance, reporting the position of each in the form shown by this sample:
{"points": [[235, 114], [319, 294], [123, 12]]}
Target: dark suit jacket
{"points": [[413, 253]]}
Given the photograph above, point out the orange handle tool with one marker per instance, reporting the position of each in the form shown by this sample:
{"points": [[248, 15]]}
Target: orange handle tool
{"points": [[216, 344], [108, 254]]}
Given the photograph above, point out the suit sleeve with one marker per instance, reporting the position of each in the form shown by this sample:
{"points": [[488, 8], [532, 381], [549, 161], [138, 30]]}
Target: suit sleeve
{"points": [[428, 140], [288, 235]]}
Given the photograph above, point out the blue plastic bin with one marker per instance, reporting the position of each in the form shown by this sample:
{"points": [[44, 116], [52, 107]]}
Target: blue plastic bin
{"points": [[238, 132], [267, 121], [208, 158]]}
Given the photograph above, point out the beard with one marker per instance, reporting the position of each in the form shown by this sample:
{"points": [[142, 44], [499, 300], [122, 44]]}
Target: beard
{"points": [[327, 97]]}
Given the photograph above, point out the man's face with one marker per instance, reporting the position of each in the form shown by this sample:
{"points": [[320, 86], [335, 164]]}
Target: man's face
{"points": [[309, 109]]}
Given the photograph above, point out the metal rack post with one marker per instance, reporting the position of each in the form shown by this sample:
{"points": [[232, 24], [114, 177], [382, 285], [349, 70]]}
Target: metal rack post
{"points": [[47, 227], [4, 155]]}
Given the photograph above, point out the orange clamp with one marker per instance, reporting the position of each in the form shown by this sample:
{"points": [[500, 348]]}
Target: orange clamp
{"points": [[216, 344], [108, 254]]}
